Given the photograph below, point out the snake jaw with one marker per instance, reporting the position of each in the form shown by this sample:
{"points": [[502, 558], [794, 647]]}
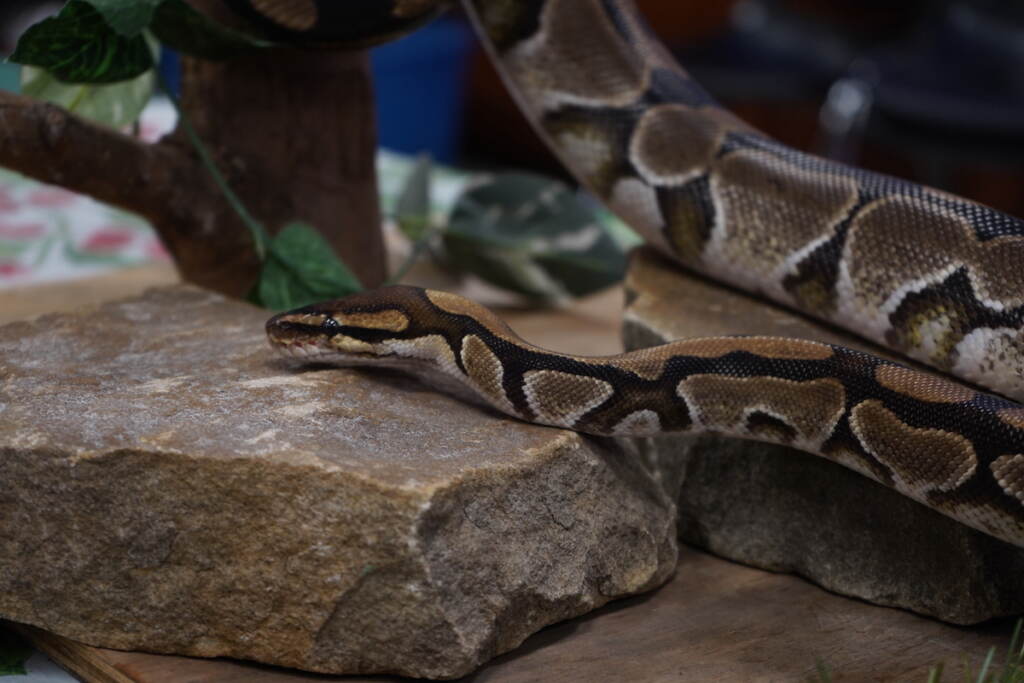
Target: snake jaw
{"points": [[310, 333], [338, 349], [298, 334], [297, 349]]}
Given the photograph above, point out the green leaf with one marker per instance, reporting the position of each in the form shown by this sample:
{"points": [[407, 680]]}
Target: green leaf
{"points": [[301, 269], [78, 46], [534, 236], [179, 26], [10, 249], [14, 652], [116, 104], [89, 258], [412, 209], [127, 17]]}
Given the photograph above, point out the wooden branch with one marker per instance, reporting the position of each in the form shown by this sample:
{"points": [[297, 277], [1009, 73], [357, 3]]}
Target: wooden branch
{"points": [[49, 144], [161, 182]]}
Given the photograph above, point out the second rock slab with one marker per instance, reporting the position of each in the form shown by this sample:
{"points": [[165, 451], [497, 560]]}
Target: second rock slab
{"points": [[784, 510]]}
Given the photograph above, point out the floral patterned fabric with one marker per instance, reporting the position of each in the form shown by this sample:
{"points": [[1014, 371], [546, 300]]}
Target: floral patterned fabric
{"points": [[48, 234]]}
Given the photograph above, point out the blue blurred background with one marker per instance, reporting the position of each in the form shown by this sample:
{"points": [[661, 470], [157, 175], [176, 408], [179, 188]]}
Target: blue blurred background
{"points": [[421, 89]]}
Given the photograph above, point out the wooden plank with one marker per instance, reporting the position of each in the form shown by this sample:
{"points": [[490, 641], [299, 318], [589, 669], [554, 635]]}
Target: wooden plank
{"points": [[22, 303], [590, 327], [715, 621], [81, 660]]}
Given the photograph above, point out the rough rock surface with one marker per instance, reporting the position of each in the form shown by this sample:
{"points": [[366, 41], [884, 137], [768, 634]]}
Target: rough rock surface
{"points": [[784, 510], [167, 484]]}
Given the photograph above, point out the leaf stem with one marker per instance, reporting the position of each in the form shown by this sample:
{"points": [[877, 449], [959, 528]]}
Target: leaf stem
{"points": [[414, 255], [260, 237], [79, 96]]}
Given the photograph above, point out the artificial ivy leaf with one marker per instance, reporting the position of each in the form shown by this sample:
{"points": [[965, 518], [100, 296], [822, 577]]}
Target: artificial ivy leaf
{"points": [[79, 46], [179, 26], [412, 209], [583, 273], [534, 236], [115, 104], [127, 17], [301, 268]]}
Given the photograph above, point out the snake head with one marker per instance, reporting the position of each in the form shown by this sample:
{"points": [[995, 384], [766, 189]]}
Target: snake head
{"points": [[421, 332], [351, 330]]}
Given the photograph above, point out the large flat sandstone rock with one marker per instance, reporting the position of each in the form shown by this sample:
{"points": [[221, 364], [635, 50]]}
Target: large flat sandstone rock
{"points": [[167, 484], [784, 510]]}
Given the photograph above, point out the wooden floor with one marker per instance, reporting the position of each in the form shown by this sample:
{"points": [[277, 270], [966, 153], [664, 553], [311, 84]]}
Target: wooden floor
{"points": [[22, 303], [716, 621]]}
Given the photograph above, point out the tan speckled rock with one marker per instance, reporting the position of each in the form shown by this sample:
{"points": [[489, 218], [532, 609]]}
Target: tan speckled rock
{"points": [[167, 484], [784, 510]]}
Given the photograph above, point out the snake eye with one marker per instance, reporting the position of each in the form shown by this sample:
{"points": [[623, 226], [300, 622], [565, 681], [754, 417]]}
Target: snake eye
{"points": [[330, 323]]}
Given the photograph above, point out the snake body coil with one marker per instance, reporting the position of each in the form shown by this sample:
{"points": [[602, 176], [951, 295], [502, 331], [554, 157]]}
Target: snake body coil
{"points": [[928, 274], [956, 450]]}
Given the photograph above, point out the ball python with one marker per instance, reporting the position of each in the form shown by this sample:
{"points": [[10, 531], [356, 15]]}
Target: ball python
{"points": [[928, 274]]}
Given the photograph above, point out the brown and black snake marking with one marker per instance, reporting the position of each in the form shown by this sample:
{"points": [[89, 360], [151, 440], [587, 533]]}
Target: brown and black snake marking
{"points": [[952, 448], [295, 15], [349, 23], [931, 275], [934, 276]]}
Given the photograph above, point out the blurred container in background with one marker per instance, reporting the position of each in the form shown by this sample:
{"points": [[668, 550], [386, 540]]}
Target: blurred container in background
{"points": [[10, 76], [421, 89]]}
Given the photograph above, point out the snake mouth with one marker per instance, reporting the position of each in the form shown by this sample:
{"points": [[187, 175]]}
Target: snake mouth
{"points": [[297, 348], [297, 336], [317, 351]]}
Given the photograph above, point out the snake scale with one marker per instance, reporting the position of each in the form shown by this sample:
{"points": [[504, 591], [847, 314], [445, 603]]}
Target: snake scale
{"points": [[930, 275]]}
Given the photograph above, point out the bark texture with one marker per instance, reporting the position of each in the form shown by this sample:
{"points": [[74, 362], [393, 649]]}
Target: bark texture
{"points": [[295, 132]]}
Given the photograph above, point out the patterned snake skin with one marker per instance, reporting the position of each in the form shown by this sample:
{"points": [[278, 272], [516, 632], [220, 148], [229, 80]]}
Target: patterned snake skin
{"points": [[928, 274]]}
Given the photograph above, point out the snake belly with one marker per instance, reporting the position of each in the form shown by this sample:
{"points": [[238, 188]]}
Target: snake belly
{"points": [[928, 274]]}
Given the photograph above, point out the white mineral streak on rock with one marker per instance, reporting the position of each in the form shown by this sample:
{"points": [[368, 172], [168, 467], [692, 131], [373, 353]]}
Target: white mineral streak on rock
{"points": [[162, 385]]}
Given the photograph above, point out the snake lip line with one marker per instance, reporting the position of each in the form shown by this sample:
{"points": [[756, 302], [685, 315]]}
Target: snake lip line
{"points": [[312, 351], [290, 349]]}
